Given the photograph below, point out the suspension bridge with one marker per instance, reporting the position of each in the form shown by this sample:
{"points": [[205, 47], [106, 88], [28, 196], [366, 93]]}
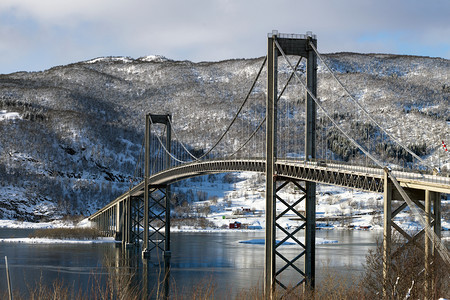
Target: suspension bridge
{"points": [[293, 140]]}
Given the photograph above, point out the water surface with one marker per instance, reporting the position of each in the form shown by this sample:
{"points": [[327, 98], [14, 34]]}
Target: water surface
{"points": [[197, 258]]}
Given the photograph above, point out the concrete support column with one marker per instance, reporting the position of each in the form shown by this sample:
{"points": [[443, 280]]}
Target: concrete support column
{"points": [[428, 246], [437, 223], [101, 223], [310, 105], [271, 129], [310, 154], [119, 221], [112, 221], [437, 214], [111, 226], [310, 234], [127, 221], [145, 253], [108, 222], [387, 233], [167, 251], [433, 218], [104, 223]]}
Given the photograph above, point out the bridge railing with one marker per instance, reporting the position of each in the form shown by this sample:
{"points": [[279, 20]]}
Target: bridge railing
{"points": [[401, 173]]}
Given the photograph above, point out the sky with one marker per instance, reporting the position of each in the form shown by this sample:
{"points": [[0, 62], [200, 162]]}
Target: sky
{"points": [[37, 35]]}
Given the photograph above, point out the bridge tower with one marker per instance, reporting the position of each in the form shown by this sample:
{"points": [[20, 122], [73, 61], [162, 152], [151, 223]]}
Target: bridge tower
{"points": [[157, 201], [159, 208], [298, 45]]}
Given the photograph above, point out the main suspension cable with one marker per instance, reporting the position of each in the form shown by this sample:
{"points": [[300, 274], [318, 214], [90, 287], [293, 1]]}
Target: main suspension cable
{"points": [[164, 147], [136, 169], [262, 122], [181, 143], [238, 112], [323, 109], [365, 111], [228, 128], [249, 138]]}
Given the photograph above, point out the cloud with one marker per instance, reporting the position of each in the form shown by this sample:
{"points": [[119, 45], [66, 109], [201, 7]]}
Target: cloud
{"points": [[201, 30]]}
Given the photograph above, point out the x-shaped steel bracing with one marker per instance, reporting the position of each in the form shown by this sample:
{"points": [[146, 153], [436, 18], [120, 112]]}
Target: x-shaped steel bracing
{"points": [[291, 236]]}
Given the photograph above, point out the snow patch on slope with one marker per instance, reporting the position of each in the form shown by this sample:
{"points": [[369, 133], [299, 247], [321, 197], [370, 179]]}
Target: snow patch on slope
{"points": [[110, 59], [153, 58], [5, 115]]}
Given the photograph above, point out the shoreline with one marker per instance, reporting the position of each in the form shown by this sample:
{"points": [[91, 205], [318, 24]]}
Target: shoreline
{"points": [[14, 224], [44, 241]]}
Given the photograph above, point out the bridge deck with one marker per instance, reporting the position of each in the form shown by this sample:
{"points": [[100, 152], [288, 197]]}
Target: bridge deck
{"points": [[368, 179]]}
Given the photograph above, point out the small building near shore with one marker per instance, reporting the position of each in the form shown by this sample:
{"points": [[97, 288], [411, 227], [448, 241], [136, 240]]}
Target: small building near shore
{"points": [[235, 225]]}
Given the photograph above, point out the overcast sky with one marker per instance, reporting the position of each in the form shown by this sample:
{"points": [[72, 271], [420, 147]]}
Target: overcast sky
{"points": [[39, 34]]}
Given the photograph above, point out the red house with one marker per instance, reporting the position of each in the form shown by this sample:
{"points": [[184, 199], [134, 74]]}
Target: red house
{"points": [[235, 225]]}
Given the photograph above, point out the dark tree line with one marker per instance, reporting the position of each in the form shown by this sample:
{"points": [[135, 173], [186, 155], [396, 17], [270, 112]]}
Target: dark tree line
{"points": [[374, 141]]}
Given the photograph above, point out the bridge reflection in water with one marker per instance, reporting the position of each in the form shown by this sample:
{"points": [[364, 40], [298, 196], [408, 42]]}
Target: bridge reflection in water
{"points": [[216, 260]]}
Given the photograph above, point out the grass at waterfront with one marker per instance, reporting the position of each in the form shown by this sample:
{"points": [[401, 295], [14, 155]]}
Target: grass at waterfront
{"points": [[121, 287], [206, 289], [67, 233]]}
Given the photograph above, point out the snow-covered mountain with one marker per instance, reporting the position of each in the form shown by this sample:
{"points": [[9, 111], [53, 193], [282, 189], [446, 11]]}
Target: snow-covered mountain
{"points": [[71, 135]]}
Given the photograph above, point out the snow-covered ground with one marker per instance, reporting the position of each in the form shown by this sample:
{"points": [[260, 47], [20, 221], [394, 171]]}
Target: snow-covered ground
{"points": [[44, 225], [5, 115], [32, 225], [336, 207]]}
